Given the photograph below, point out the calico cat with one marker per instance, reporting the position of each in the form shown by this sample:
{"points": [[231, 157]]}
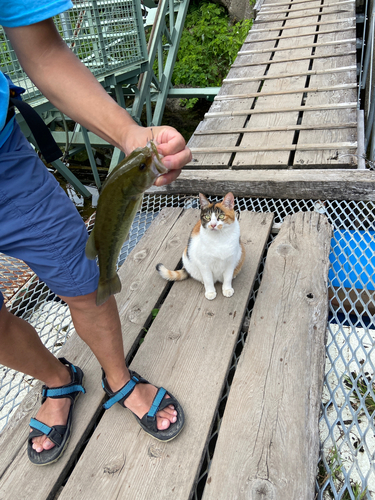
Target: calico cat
{"points": [[214, 251]]}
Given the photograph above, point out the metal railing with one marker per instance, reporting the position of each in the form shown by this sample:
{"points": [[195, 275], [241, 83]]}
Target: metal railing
{"points": [[366, 87]]}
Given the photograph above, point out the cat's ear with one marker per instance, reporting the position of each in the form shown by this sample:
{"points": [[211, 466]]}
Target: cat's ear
{"points": [[203, 201], [228, 201]]}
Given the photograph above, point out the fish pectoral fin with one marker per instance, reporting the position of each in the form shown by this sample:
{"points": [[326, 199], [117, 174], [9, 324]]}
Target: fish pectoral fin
{"points": [[106, 288], [91, 250]]}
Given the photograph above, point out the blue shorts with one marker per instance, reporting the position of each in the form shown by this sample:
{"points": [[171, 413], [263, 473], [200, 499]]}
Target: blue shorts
{"points": [[39, 224]]}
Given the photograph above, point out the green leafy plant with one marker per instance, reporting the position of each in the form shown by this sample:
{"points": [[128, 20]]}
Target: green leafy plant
{"points": [[208, 47]]}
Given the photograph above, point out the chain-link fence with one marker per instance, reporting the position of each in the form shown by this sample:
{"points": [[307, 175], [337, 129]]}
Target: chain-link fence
{"points": [[347, 429]]}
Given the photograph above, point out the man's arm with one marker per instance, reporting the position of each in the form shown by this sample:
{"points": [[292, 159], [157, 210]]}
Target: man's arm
{"points": [[71, 87]]}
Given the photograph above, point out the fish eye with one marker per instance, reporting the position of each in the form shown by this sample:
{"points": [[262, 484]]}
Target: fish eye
{"points": [[142, 166]]}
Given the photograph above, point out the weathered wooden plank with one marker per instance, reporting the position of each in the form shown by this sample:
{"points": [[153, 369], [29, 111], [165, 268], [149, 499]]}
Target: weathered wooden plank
{"points": [[267, 11], [333, 157], [267, 6], [266, 147], [188, 350], [252, 41], [295, 59], [18, 477], [319, 23], [309, 46], [318, 107], [322, 126], [240, 104], [320, 184], [268, 444], [289, 75], [304, 90]]}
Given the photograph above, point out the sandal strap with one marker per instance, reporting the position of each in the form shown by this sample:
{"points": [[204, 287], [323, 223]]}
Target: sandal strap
{"points": [[68, 390], [156, 402], [54, 434], [122, 394]]}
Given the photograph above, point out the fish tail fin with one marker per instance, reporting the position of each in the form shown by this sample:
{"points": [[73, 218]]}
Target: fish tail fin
{"points": [[165, 273], [91, 251], [106, 288]]}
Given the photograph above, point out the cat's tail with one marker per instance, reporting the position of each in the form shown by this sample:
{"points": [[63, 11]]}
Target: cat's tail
{"points": [[165, 273]]}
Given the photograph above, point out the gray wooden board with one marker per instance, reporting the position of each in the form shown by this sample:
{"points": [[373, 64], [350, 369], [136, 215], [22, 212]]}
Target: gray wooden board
{"points": [[338, 156], [229, 122], [320, 184], [18, 477], [268, 443], [291, 45], [188, 350]]}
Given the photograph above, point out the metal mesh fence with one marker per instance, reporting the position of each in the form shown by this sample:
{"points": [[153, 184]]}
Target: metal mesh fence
{"points": [[347, 431], [107, 35]]}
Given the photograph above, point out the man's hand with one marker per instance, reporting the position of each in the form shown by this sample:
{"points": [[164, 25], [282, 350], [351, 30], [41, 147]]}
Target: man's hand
{"points": [[170, 143]]}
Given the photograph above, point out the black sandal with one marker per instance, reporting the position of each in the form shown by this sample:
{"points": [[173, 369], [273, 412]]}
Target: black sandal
{"points": [[148, 421], [58, 434]]}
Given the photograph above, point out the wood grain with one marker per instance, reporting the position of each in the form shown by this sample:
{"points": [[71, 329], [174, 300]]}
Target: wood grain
{"points": [[268, 444]]}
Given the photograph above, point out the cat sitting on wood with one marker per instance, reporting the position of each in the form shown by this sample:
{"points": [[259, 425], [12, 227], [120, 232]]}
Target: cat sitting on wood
{"points": [[214, 251]]}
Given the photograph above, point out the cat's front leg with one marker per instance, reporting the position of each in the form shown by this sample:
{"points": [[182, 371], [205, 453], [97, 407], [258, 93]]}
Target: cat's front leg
{"points": [[209, 286], [227, 283]]}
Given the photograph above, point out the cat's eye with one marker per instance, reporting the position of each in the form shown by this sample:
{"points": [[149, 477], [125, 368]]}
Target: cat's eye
{"points": [[207, 217], [221, 216]]}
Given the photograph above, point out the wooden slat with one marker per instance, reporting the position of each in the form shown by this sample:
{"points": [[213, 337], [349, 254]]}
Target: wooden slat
{"points": [[318, 107], [309, 46], [298, 17], [319, 23], [253, 40], [18, 477], [264, 9], [268, 445], [293, 59], [323, 126], [290, 75], [277, 147], [339, 184], [188, 349], [265, 6], [285, 92], [315, 158]]}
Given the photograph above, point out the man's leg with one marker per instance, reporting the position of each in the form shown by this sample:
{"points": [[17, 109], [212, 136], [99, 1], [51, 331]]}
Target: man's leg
{"points": [[22, 350], [100, 328]]}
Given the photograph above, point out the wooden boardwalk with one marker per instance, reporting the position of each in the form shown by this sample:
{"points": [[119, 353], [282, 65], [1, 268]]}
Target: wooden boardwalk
{"points": [[284, 124], [188, 349]]}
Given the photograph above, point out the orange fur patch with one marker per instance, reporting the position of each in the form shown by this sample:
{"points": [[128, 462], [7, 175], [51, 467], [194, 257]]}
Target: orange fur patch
{"points": [[230, 215]]}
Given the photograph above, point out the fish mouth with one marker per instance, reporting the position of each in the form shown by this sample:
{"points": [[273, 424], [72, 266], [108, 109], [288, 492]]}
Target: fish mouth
{"points": [[157, 166]]}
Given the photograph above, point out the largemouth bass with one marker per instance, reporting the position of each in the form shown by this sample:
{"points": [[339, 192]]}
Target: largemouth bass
{"points": [[119, 200]]}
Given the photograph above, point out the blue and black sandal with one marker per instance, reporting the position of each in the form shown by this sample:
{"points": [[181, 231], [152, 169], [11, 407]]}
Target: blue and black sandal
{"points": [[148, 421], [58, 434]]}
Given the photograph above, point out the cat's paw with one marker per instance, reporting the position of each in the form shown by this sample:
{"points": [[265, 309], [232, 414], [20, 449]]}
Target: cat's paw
{"points": [[228, 292], [210, 295]]}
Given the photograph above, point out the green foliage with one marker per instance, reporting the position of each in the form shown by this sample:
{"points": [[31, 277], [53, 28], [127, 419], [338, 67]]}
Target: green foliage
{"points": [[208, 47]]}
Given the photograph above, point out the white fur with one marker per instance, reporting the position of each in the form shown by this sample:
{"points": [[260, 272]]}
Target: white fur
{"points": [[214, 255]]}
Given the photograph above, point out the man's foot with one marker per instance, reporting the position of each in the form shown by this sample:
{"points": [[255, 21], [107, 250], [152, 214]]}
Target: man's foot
{"points": [[140, 401], [53, 412], [157, 411]]}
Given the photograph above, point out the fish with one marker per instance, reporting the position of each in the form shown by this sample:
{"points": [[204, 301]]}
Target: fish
{"points": [[119, 200]]}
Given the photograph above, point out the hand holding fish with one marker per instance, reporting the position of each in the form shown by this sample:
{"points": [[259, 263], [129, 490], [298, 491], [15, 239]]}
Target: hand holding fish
{"points": [[171, 147], [121, 196]]}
